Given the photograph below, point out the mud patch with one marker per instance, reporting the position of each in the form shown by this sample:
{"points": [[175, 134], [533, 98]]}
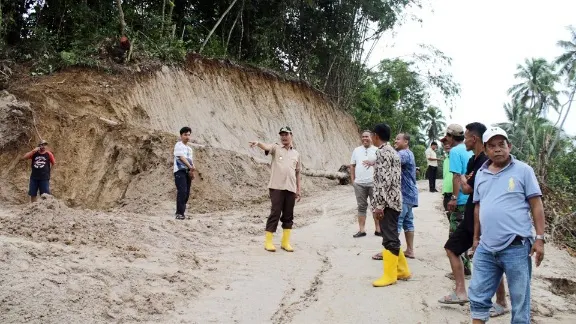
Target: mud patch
{"points": [[562, 286]]}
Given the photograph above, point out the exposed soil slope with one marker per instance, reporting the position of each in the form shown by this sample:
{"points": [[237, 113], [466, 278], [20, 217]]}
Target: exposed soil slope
{"points": [[113, 135]]}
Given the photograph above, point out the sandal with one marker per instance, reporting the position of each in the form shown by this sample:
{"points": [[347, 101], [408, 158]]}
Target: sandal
{"points": [[498, 310], [450, 276], [377, 256], [409, 256], [359, 234], [453, 299]]}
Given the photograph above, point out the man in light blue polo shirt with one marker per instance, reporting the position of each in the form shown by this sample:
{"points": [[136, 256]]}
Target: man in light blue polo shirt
{"points": [[506, 191]]}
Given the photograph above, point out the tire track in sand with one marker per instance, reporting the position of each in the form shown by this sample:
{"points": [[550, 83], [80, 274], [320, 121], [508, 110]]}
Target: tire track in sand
{"points": [[286, 312]]}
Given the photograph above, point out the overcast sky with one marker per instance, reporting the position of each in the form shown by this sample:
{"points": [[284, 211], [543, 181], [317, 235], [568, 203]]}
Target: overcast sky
{"points": [[486, 40]]}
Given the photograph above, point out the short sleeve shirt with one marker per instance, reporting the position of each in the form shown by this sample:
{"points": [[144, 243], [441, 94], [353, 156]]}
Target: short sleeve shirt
{"points": [[458, 162], [41, 165], [360, 154], [504, 203], [446, 176], [181, 149], [387, 191], [285, 163], [430, 153], [474, 164], [408, 181]]}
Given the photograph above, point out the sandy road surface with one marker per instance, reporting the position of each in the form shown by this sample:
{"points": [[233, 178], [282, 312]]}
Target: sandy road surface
{"points": [[328, 278], [146, 268]]}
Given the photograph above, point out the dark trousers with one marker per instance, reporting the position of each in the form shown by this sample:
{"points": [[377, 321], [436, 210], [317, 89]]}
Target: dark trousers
{"points": [[389, 230], [431, 174], [283, 202], [446, 200], [183, 182]]}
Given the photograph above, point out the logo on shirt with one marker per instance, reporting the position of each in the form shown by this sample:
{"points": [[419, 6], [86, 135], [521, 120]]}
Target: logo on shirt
{"points": [[511, 184], [39, 162]]}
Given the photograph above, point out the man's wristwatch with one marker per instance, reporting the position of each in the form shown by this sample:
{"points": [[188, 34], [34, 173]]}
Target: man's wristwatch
{"points": [[540, 237], [453, 197]]}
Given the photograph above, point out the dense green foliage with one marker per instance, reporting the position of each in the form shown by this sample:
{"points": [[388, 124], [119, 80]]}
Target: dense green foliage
{"points": [[320, 41], [542, 142], [398, 94], [323, 42]]}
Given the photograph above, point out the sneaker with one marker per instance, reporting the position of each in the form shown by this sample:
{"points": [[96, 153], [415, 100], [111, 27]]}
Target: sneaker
{"points": [[359, 234], [178, 216]]}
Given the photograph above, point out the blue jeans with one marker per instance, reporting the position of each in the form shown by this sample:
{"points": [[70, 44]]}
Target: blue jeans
{"points": [[488, 268], [38, 185], [406, 219]]}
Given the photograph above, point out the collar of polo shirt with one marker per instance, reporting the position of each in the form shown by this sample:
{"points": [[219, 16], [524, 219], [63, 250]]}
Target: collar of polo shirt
{"points": [[488, 162]]}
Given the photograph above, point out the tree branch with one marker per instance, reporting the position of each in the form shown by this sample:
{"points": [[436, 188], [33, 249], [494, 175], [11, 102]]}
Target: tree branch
{"points": [[215, 26]]}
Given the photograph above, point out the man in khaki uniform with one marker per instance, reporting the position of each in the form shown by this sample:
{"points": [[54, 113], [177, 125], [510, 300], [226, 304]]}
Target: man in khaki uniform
{"points": [[284, 187]]}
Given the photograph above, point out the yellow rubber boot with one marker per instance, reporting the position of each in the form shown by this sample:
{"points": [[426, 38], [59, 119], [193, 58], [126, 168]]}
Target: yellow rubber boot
{"points": [[390, 275], [268, 245], [403, 269], [286, 241]]}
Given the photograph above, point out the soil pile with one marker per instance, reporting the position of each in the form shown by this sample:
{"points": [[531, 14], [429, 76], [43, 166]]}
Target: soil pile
{"points": [[113, 135]]}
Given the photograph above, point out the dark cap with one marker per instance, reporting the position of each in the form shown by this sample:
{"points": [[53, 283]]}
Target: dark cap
{"points": [[285, 129]]}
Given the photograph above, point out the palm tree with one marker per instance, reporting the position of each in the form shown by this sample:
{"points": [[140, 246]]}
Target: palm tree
{"points": [[567, 64], [514, 112], [567, 61], [433, 123], [537, 86]]}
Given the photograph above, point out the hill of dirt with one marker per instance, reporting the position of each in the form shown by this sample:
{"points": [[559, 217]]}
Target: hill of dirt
{"points": [[113, 134]]}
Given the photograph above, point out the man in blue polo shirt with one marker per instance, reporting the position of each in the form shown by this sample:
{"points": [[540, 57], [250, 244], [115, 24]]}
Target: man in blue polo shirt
{"points": [[506, 191], [459, 157]]}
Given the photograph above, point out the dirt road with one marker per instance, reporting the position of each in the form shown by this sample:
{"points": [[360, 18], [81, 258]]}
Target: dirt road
{"points": [[133, 268]]}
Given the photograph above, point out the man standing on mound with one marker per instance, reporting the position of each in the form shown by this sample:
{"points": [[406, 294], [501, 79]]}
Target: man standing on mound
{"points": [[387, 205], [42, 163], [183, 171], [284, 187]]}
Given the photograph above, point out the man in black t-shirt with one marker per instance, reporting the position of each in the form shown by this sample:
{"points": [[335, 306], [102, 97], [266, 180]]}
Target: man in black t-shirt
{"points": [[462, 238], [42, 163]]}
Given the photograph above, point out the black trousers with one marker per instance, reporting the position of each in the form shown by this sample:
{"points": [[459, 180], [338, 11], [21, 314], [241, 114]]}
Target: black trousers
{"points": [[183, 183], [282, 209], [445, 201], [389, 230], [431, 174]]}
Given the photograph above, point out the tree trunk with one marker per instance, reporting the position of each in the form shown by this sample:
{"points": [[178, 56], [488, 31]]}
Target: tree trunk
{"points": [[121, 17], [326, 174], [163, 12], [559, 133], [230, 33], [169, 18], [216, 26]]}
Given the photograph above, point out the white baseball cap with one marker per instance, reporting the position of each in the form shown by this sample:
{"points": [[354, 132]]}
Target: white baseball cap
{"points": [[493, 131]]}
